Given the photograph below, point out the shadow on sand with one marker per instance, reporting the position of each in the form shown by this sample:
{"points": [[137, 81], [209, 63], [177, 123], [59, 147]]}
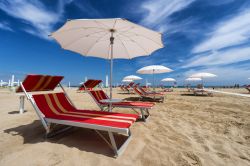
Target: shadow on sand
{"points": [[80, 138], [139, 99], [188, 94], [16, 112]]}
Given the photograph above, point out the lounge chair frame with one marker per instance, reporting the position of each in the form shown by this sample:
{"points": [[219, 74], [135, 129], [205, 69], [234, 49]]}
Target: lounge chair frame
{"points": [[47, 122]]}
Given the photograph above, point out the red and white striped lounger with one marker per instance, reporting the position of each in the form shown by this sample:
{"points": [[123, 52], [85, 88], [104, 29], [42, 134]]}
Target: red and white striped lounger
{"points": [[144, 107], [150, 92], [153, 96], [88, 85], [57, 108]]}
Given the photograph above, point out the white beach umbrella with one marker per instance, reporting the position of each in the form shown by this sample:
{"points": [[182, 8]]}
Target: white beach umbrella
{"points": [[203, 75], [168, 80], [132, 77], [193, 79], [108, 38], [127, 80], [154, 69]]}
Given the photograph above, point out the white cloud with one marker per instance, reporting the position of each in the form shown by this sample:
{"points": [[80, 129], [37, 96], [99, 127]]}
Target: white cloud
{"points": [[228, 56], [35, 14], [5, 26], [233, 31], [157, 11]]}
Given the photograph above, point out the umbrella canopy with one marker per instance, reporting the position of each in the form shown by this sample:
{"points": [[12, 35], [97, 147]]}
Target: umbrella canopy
{"points": [[193, 79], [203, 75], [168, 80], [127, 80], [132, 77], [154, 69], [108, 38]]}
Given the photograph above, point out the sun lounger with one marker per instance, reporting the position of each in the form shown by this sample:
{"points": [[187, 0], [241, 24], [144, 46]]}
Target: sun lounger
{"points": [[57, 108], [149, 92], [248, 88], [144, 107], [88, 85], [201, 91], [152, 96]]}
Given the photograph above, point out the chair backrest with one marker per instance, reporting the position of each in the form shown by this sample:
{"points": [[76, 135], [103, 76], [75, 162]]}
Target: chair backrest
{"points": [[33, 83], [131, 84], [137, 91], [142, 90], [98, 95], [89, 84]]}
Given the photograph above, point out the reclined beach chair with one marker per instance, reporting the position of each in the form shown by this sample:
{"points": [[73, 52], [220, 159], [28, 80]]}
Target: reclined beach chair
{"points": [[143, 91], [99, 95], [129, 88], [88, 85], [144, 107], [57, 108], [152, 96], [201, 91], [248, 88]]}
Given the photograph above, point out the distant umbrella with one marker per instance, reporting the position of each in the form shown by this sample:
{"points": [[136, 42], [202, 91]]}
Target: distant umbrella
{"points": [[168, 80], [132, 77], [203, 75], [154, 69], [127, 80], [193, 79]]}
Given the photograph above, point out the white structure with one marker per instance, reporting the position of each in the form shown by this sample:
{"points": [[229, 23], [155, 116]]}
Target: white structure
{"points": [[107, 81], [3, 83], [12, 80], [69, 85]]}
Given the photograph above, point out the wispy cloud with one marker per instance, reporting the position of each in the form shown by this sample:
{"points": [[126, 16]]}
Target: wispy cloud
{"points": [[233, 55], [5, 26], [157, 12], [231, 32], [34, 13]]}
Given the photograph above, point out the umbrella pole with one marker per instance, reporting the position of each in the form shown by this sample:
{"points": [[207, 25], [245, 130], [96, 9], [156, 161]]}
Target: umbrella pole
{"points": [[111, 68], [153, 80]]}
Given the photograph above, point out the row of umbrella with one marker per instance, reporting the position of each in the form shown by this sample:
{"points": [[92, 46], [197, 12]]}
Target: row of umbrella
{"points": [[194, 77]]}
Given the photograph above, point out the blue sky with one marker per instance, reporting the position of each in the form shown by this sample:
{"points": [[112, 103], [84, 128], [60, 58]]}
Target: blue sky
{"points": [[199, 36]]}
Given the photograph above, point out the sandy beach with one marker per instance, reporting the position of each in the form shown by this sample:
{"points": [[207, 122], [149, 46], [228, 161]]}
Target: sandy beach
{"points": [[184, 130]]}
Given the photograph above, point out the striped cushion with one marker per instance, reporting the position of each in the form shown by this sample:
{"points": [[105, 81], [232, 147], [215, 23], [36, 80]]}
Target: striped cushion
{"points": [[56, 106]]}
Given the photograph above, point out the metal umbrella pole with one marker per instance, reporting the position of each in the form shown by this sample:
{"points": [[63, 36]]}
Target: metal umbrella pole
{"points": [[111, 67], [153, 79]]}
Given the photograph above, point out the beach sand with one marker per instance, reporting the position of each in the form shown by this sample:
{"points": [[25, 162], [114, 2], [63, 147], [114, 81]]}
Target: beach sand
{"points": [[184, 130]]}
